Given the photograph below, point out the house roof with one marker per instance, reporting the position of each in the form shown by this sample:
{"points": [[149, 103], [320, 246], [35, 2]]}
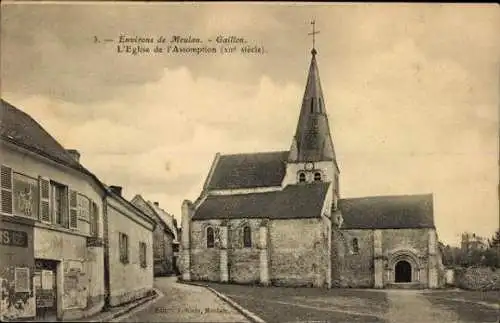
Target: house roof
{"points": [[130, 205], [249, 170], [19, 128], [152, 211], [167, 219], [293, 202], [388, 212]]}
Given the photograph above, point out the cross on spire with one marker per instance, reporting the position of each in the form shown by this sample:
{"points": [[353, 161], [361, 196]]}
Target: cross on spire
{"points": [[313, 34]]}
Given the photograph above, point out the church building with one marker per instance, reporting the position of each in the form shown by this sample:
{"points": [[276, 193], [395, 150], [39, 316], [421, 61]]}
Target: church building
{"points": [[277, 218]]}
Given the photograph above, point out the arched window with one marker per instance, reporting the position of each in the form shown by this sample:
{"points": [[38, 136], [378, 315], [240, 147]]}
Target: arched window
{"points": [[312, 105], [317, 177], [210, 238], [247, 237], [355, 245], [302, 178]]}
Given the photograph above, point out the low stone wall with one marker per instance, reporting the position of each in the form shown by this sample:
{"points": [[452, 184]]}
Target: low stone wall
{"points": [[478, 278]]}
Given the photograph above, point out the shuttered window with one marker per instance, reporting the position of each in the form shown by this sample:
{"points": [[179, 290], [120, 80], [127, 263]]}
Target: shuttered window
{"points": [[94, 219], [44, 200], [73, 210], [59, 203], [6, 189]]}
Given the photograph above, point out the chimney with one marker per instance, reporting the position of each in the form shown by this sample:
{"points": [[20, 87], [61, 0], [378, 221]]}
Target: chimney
{"points": [[75, 154], [156, 204], [116, 189]]}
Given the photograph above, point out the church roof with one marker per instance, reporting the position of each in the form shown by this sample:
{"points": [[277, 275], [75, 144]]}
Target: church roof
{"points": [[312, 140], [388, 212], [293, 202], [249, 170]]}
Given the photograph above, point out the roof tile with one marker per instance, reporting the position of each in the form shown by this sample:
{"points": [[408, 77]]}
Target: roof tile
{"points": [[250, 170], [388, 212], [274, 205]]}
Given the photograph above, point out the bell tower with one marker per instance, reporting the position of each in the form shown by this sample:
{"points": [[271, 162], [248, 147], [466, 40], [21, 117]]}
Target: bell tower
{"points": [[312, 154]]}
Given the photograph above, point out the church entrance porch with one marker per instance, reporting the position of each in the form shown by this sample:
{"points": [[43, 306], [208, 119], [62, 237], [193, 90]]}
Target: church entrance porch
{"points": [[403, 272]]}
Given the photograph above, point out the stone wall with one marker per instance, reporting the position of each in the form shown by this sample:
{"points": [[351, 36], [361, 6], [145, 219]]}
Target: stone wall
{"points": [[413, 242], [297, 252], [243, 262], [356, 270], [205, 262], [479, 278]]}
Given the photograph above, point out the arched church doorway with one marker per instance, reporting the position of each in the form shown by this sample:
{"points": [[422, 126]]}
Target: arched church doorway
{"points": [[403, 272]]}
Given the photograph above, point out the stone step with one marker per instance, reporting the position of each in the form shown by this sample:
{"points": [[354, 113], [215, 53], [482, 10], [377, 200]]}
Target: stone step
{"points": [[405, 285]]}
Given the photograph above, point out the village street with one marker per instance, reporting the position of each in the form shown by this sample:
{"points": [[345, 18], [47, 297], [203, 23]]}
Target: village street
{"points": [[186, 303]]}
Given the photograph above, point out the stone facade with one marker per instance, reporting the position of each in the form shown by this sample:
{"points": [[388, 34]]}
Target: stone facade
{"points": [[306, 237], [282, 252], [368, 258]]}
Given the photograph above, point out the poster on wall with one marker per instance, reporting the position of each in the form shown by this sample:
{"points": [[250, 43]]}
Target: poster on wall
{"points": [[75, 285], [25, 196], [47, 279], [37, 282]]}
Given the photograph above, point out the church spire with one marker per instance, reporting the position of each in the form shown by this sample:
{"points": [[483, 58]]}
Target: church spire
{"points": [[312, 141]]}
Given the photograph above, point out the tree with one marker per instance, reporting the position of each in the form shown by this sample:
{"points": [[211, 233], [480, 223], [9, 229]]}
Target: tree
{"points": [[495, 240]]}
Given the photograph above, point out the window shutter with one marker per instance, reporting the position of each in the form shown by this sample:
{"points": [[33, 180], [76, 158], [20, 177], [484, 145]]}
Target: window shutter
{"points": [[94, 219], [6, 184], [44, 184], [73, 210]]}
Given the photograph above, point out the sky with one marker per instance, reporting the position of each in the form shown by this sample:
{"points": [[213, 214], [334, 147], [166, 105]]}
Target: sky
{"points": [[411, 91]]}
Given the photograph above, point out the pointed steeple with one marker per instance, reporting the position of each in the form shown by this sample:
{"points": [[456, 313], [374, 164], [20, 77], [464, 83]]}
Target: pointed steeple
{"points": [[312, 141]]}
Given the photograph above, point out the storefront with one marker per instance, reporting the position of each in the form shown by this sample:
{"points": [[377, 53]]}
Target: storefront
{"points": [[17, 267]]}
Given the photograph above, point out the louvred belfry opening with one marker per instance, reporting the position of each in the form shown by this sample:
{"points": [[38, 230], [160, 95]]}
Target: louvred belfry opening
{"points": [[312, 141]]}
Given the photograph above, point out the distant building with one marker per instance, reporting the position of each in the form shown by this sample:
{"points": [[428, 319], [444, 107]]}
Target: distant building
{"points": [[165, 237], [53, 228], [471, 242]]}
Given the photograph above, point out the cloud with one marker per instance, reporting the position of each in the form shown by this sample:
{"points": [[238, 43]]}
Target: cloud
{"points": [[412, 100], [160, 138]]}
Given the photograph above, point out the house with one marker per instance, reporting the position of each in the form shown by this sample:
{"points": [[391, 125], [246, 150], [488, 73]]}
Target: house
{"points": [[130, 249], [53, 228], [165, 237], [278, 218]]}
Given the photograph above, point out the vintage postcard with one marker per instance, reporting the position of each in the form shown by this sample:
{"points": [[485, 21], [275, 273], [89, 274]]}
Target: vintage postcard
{"points": [[249, 162]]}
